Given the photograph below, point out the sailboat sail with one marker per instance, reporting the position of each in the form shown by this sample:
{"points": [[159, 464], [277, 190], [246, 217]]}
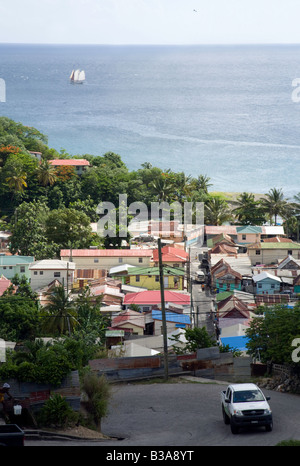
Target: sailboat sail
{"points": [[77, 76]]}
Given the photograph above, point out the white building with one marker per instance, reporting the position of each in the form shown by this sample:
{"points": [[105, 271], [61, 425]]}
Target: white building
{"points": [[43, 272]]}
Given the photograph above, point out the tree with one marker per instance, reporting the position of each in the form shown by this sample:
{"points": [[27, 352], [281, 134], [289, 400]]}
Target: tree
{"points": [[197, 338], [163, 187], [60, 315], [271, 336], [28, 230], [68, 227], [216, 211], [248, 210], [19, 317], [274, 204], [98, 393], [46, 173]]}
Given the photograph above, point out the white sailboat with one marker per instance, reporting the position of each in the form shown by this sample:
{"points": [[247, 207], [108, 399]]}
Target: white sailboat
{"points": [[77, 77]]}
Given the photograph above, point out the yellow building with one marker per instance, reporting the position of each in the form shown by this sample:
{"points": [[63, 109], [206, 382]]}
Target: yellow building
{"points": [[148, 277]]}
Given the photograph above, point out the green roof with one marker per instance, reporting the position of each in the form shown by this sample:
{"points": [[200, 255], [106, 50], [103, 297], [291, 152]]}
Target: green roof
{"points": [[248, 229], [280, 246], [155, 271], [15, 260], [223, 295]]}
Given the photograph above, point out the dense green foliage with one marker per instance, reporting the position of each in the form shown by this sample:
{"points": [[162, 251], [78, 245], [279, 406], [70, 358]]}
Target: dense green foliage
{"points": [[272, 333]]}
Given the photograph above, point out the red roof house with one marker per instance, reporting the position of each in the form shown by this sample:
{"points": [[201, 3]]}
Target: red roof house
{"points": [[171, 255], [4, 284], [152, 298]]}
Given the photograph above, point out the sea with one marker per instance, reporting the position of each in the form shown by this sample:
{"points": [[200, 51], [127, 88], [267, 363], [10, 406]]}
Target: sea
{"points": [[231, 113]]}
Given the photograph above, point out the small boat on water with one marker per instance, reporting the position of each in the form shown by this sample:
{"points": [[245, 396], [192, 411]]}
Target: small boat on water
{"points": [[77, 76]]}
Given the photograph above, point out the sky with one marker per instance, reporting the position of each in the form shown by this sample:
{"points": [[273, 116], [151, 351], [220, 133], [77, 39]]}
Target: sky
{"points": [[150, 21]]}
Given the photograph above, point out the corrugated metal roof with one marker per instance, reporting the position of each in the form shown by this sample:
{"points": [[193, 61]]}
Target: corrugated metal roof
{"points": [[153, 297], [172, 317], [69, 162], [107, 253]]}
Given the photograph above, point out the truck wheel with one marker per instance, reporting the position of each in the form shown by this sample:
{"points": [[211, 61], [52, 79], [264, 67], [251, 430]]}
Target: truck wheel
{"points": [[225, 417], [269, 427], [234, 429]]}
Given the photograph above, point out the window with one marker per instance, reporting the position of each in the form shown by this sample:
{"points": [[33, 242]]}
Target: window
{"points": [[22, 269], [243, 237], [120, 260], [57, 274], [96, 261], [157, 278], [290, 252], [140, 260], [257, 252], [137, 278], [35, 272], [41, 272], [259, 285], [272, 286]]}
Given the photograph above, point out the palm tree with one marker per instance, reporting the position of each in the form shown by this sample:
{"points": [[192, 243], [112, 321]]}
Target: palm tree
{"points": [[46, 173], [162, 187], [216, 211], [60, 314], [202, 183], [17, 181], [274, 204], [248, 210]]}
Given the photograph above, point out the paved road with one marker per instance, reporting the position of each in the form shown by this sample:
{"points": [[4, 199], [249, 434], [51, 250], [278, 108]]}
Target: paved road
{"points": [[185, 415]]}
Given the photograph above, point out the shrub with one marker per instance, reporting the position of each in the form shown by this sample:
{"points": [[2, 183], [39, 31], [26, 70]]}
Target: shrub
{"points": [[56, 412], [97, 391]]}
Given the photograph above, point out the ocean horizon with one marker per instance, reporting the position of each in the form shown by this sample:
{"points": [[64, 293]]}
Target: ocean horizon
{"points": [[224, 111]]}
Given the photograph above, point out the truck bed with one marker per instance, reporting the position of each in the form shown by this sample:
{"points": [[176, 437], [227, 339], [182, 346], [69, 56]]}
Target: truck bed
{"points": [[11, 435]]}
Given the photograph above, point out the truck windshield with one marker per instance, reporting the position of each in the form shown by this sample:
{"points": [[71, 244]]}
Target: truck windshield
{"points": [[247, 395]]}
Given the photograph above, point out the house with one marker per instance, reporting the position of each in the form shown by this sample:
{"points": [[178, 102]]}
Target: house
{"points": [[107, 258], [272, 252], [43, 272], [174, 321], [267, 231], [297, 284], [289, 263], [10, 265], [224, 278], [5, 283], [120, 272], [173, 257], [233, 307], [80, 165], [222, 238], [82, 277], [248, 234], [266, 283], [130, 321], [150, 278], [110, 292], [148, 300], [221, 248]]}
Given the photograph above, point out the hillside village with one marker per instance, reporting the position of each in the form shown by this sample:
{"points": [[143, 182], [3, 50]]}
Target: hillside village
{"points": [[243, 267]]}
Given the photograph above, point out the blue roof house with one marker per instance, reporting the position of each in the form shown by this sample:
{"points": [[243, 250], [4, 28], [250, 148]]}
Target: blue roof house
{"points": [[174, 321]]}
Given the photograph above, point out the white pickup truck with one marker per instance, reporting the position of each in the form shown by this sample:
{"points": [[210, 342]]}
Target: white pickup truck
{"points": [[245, 405]]}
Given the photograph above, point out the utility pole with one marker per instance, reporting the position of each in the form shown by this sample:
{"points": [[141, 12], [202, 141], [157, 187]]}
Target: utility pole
{"points": [[163, 309]]}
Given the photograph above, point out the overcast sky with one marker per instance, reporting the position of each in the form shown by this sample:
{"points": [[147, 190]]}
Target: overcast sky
{"points": [[150, 21]]}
